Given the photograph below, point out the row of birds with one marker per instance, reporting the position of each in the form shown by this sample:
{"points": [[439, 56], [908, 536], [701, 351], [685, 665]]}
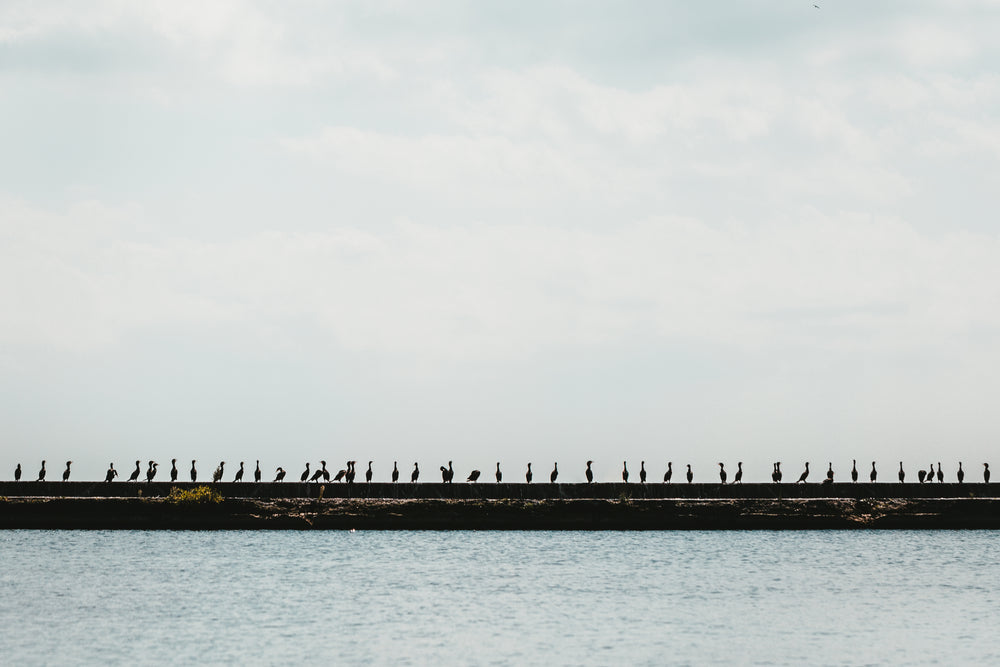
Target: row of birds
{"points": [[447, 474]]}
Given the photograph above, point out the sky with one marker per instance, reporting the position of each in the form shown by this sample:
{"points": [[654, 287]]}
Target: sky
{"points": [[480, 232]]}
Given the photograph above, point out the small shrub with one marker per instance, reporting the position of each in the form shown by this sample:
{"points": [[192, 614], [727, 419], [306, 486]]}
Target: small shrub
{"points": [[199, 495]]}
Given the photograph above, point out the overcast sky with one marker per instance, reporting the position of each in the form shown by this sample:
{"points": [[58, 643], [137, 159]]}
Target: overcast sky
{"points": [[545, 231]]}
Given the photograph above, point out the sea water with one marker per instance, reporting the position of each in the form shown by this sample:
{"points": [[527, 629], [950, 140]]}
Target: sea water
{"points": [[241, 597]]}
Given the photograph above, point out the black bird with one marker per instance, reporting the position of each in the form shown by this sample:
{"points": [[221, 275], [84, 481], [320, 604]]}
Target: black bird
{"points": [[239, 474], [112, 473], [690, 475], [326, 473], [351, 472], [930, 474], [217, 475], [342, 473], [940, 473], [589, 473], [854, 470], [134, 477], [256, 473], [722, 473], [151, 472], [319, 472], [921, 474], [281, 474], [642, 472], [775, 475], [986, 473], [669, 475], [473, 476], [829, 471], [738, 477], [960, 474], [66, 471], [41, 473], [17, 473], [902, 475], [528, 475], [369, 473], [173, 470], [194, 472], [415, 474], [305, 473], [805, 474], [447, 474], [873, 475], [554, 474], [499, 474], [625, 471], [395, 472]]}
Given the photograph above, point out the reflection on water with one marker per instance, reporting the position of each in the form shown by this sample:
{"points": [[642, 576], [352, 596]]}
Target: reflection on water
{"points": [[490, 597]]}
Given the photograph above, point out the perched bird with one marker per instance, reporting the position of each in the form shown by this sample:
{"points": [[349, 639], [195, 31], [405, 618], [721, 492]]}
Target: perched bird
{"points": [[351, 472], [669, 475], [930, 473], [239, 474], [305, 473], [41, 473], [986, 473], [775, 473], [960, 474], [66, 471], [805, 474], [829, 471], [134, 477], [528, 475], [17, 473], [281, 474], [854, 470], [642, 472], [921, 474], [342, 473], [217, 475], [690, 475], [173, 470], [319, 472], [499, 474], [194, 472], [151, 471], [473, 476], [369, 473], [738, 477], [588, 473], [722, 473], [326, 473], [554, 474], [873, 475], [415, 474], [112, 473], [902, 475], [940, 473], [447, 474], [395, 472], [625, 471], [256, 472]]}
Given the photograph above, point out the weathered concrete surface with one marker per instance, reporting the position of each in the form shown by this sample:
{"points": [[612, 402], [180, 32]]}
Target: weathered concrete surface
{"points": [[436, 514]]}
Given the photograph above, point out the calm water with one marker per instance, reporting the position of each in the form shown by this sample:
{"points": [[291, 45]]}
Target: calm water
{"points": [[500, 598]]}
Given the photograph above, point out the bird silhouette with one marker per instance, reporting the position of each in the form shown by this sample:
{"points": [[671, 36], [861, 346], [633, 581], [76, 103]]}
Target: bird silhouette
{"points": [[960, 474], [173, 470], [669, 475], [395, 472], [804, 475], [112, 473], [41, 473], [690, 475], [194, 472], [134, 477], [415, 474], [854, 470], [17, 473], [902, 475], [642, 472], [217, 475], [528, 475], [873, 475], [589, 473], [473, 476], [65, 477], [554, 474], [499, 475], [280, 476], [738, 477], [256, 472], [625, 471], [239, 474], [722, 473]]}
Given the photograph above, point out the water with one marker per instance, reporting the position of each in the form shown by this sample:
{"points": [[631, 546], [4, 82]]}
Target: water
{"points": [[836, 598]]}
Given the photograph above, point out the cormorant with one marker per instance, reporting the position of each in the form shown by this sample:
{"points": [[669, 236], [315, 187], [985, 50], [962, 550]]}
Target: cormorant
{"points": [[722, 473], [395, 472], [351, 472], [194, 472], [342, 473], [805, 474], [528, 475], [642, 472], [415, 474], [554, 474], [775, 475], [986, 473], [112, 473], [690, 475], [151, 472], [239, 474], [134, 477], [17, 473], [960, 474], [41, 473], [66, 471], [902, 475], [369, 473], [669, 475], [319, 472], [738, 477], [499, 474], [256, 472], [921, 474], [940, 474], [473, 476], [173, 470], [854, 470], [217, 475], [305, 473], [281, 474], [447, 474], [625, 471], [829, 471], [930, 473], [873, 475], [589, 473], [326, 473]]}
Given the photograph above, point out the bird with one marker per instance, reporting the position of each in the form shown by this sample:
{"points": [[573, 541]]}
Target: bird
{"points": [[960, 474], [690, 475], [239, 474], [319, 472], [854, 470], [829, 471], [41, 473], [151, 471], [589, 473], [415, 474], [722, 473], [902, 475], [395, 472], [499, 474], [66, 471], [669, 475], [805, 474], [305, 473], [326, 474], [369, 473], [528, 475], [351, 472], [554, 474], [447, 474], [173, 470], [280, 476], [194, 472], [473, 476], [940, 473], [112, 473], [921, 474], [873, 475], [625, 471], [930, 473], [342, 473], [217, 475], [256, 472], [17, 473], [135, 473], [986, 473], [738, 477], [776, 472], [642, 472]]}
